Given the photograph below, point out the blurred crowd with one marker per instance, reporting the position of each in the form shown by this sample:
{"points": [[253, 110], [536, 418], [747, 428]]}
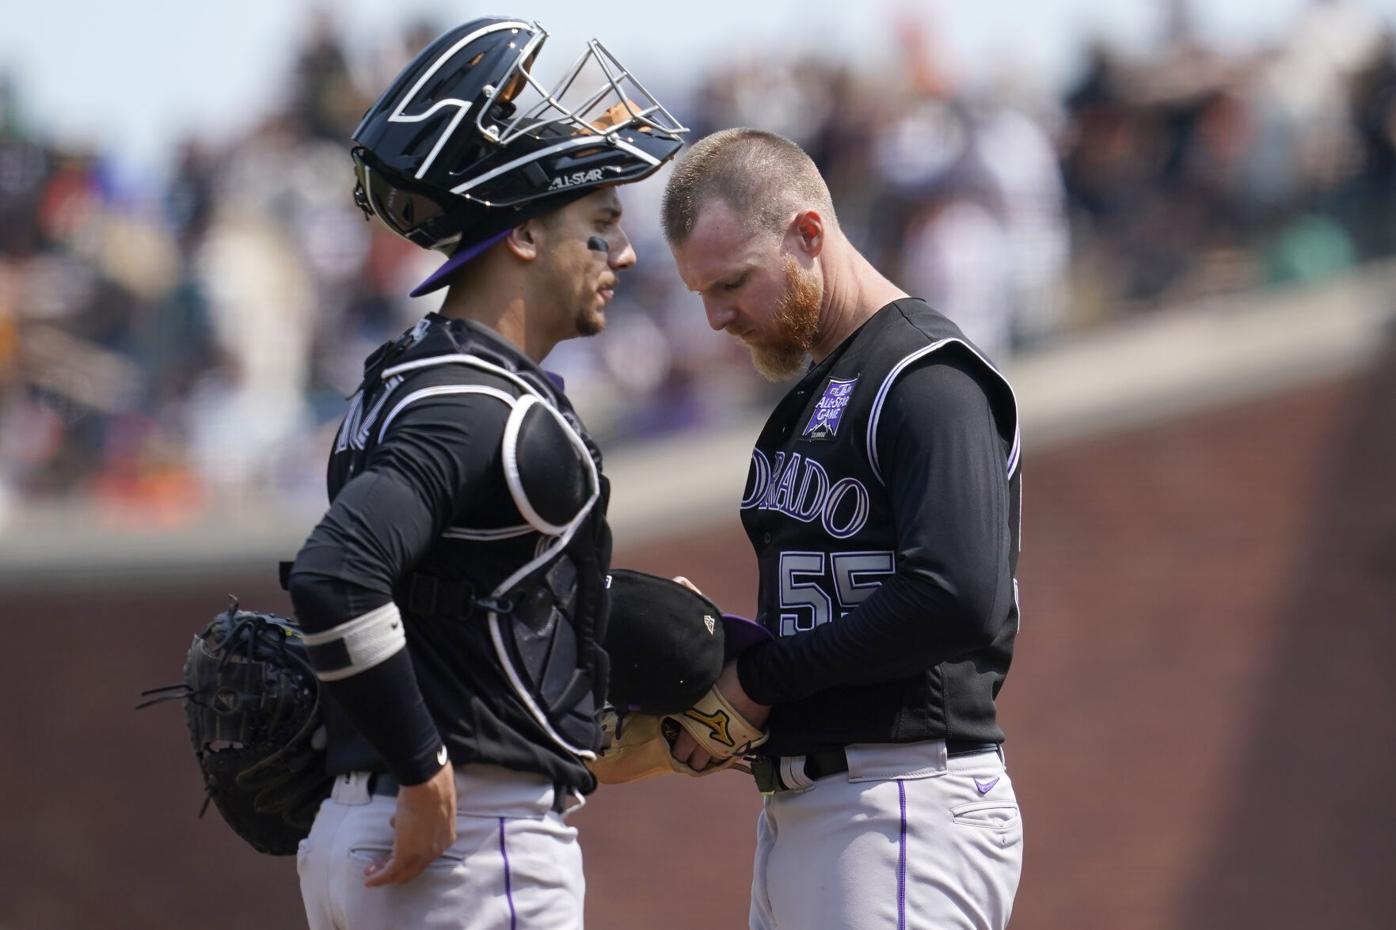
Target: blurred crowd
{"points": [[163, 351]]}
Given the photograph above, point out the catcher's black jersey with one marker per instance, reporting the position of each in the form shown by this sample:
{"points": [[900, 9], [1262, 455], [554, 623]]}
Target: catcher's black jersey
{"points": [[883, 504], [503, 638]]}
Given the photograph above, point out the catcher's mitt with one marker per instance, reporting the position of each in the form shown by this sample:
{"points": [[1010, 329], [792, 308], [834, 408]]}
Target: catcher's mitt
{"points": [[252, 705], [668, 645]]}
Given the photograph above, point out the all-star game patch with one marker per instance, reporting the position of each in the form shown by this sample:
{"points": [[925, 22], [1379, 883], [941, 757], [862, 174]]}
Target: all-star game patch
{"points": [[828, 411]]}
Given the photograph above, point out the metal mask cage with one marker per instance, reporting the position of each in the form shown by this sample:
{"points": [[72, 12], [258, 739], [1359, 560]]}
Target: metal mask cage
{"points": [[574, 107], [597, 102]]}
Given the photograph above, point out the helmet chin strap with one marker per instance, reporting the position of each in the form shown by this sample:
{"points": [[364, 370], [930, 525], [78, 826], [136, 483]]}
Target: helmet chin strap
{"points": [[597, 244]]}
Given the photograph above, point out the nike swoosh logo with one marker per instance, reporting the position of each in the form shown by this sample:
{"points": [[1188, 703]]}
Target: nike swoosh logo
{"points": [[986, 786], [441, 758]]}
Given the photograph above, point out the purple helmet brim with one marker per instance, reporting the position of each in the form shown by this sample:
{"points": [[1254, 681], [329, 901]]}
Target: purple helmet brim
{"points": [[739, 634], [437, 279]]}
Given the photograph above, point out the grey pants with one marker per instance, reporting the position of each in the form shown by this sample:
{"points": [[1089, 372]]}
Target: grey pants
{"points": [[515, 863], [907, 839]]}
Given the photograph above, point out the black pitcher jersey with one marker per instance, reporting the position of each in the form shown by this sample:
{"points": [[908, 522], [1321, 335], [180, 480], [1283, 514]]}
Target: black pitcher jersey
{"points": [[883, 503]]}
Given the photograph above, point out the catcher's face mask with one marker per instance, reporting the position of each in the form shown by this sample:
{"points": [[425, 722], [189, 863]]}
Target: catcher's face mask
{"points": [[468, 130], [595, 103]]}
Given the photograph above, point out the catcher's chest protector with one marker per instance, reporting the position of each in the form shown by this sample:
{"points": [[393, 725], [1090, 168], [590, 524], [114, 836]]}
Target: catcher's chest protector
{"points": [[540, 624]]}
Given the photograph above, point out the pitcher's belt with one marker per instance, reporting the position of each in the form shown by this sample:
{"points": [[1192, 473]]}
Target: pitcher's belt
{"points": [[766, 770]]}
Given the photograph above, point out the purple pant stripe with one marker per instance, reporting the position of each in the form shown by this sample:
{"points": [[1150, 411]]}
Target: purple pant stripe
{"points": [[508, 881], [901, 861]]}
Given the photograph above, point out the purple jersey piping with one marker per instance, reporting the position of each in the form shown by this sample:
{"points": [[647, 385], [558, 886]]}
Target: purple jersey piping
{"points": [[901, 861], [508, 885]]}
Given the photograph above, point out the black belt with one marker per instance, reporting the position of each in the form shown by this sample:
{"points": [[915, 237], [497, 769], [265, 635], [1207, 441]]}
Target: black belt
{"points": [[818, 765], [385, 785]]}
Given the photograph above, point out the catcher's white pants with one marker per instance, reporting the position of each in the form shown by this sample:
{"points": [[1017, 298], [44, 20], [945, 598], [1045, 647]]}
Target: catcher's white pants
{"points": [[906, 840], [515, 863]]}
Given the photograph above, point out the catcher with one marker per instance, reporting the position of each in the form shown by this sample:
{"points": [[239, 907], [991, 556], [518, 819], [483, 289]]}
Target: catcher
{"points": [[453, 594]]}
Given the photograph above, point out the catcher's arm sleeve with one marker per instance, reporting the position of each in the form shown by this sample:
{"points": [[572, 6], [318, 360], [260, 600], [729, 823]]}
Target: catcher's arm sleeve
{"points": [[379, 525], [946, 472]]}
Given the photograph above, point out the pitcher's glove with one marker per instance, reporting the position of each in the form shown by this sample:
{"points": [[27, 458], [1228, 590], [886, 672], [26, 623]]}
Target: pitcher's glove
{"points": [[641, 745], [718, 729], [252, 707], [668, 644]]}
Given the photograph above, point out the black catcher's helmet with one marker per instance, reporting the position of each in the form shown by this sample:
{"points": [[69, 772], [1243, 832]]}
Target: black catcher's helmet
{"points": [[466, 143]]}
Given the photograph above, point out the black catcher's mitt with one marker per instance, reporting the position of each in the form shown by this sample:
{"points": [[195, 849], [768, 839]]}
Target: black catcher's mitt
{"points": [[252, 703]]}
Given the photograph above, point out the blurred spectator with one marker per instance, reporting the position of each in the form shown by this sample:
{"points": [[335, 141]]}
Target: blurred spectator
{"points": [[324, 99], [160, 356]]}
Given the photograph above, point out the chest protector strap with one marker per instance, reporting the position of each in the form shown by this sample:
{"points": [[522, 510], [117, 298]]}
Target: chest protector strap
{"points": [[546, 633]]}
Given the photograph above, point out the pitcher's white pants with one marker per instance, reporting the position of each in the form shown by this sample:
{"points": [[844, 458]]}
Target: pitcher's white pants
{"points": [[905, 840]]}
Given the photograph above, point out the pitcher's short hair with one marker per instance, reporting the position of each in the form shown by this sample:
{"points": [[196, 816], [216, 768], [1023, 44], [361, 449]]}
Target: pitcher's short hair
{"points": [[763, 178]]}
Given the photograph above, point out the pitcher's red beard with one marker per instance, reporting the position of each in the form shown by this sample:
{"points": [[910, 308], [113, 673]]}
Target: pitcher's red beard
{"points": [[796, 325]]}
